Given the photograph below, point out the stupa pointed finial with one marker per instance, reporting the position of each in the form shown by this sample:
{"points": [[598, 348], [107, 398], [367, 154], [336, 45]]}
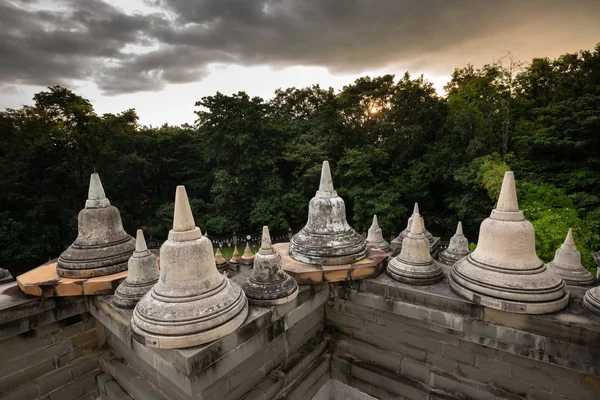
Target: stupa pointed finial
{"points": [[459, 229], [507, 201], [417, 225], [96, 196], [416, 209], [266, 239], [569, 239], [375, 223], [183, 220], [326, 184], [140, 242]]}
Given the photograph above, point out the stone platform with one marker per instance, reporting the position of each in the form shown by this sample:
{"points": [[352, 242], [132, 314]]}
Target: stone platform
{"points": [[371, 266], [43, 281]]}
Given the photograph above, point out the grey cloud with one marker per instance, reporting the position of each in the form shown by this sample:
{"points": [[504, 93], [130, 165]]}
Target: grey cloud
{"points": [[347, 36]]}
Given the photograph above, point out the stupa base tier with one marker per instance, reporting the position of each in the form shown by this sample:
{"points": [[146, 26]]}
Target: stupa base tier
{"points": [[412, 280], [450, 258], [339, 260], [5, 277], [44, 281], [591, 300], [272, 302], [371, 266], [127, 296], [91, 272], [512, 306], [183, 341]]}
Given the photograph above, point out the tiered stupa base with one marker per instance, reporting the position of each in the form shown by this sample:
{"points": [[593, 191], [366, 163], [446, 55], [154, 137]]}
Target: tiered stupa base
{"points": [[271, 294], [581, 277], [591, 300], [531, 297], [415, 273], [450, 259], [44, 281], [372, 265], [127, 295], [5, 276]]}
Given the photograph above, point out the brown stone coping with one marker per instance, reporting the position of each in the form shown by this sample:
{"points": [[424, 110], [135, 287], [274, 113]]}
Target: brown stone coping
{"points": [[371, 266], [43, 281]]}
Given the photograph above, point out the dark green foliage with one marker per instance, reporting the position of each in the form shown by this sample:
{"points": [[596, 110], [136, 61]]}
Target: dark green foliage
{"points": [[249, 162]]}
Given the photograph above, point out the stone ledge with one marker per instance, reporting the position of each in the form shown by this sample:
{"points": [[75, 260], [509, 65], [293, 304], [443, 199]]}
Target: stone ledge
{"points": [[432, 303], [373, 265], [193, 369], [568, 339], [43, 281]]}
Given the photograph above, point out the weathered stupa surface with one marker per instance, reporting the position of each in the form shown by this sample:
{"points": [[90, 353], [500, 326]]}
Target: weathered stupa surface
{"points": [[567, 263], [396, 244], [219, 259], [5, 276], [327, 239], [235, 257], [457, 249], [375, 236], [591, 300], [192, 303], [268, 283], [102, 246], [414, 264], [248, 257], [142, 275], [504, 271]]}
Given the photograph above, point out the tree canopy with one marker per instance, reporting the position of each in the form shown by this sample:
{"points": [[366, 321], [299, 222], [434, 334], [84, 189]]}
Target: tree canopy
{"points": [[249, 162]]}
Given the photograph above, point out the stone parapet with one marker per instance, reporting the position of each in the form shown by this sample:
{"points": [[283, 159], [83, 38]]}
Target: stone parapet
{"points": [[49, 347], [226, 368], [395, 339]]}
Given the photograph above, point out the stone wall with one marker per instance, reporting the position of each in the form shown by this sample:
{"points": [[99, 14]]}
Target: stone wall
{"points": [[49, 347], [269, 342], [398, 341]]}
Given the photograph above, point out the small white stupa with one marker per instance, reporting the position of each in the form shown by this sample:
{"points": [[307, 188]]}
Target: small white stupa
{"points": [[375, 236], [567, 263], [414, 264]]}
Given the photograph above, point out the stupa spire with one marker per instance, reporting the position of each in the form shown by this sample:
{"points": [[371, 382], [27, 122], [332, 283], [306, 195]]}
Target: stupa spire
{"points": [[507, 200], [569, 239], [417, 225], [326, 184], [459, 229], [266, 244], [192, 303], [140, 242], [504, 271], [269, 284], [96, 196], [183, 220], [143, 274]]}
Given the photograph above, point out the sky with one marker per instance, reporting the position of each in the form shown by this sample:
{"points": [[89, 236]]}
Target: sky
{"points": [[161, 56]]}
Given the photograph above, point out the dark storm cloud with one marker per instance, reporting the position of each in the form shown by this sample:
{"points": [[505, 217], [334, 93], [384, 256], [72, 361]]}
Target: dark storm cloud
{"points": [[93, 40]]}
